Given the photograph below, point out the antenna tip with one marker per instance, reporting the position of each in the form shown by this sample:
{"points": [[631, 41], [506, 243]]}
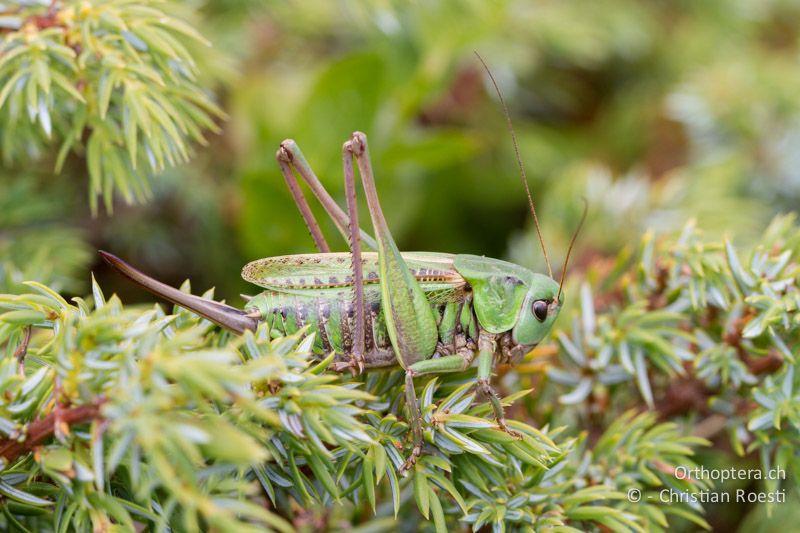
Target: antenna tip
{"points": [[572, 243]]}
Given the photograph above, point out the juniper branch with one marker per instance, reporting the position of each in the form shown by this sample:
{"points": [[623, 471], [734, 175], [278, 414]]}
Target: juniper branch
{"points": [[112, 82], [695, 330], [198, 420], [39, 431]]}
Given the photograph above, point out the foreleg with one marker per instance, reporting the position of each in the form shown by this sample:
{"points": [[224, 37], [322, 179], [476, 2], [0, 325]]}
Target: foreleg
{"points": [[486, 348]]}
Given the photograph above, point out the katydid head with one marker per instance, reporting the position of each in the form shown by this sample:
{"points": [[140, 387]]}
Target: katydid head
{"points": [[510, 299], [539, 311], [545, 298]]}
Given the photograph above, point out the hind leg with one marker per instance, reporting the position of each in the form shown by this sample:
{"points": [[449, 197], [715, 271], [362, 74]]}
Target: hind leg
{"points": [[290, 158], [410, 321]]}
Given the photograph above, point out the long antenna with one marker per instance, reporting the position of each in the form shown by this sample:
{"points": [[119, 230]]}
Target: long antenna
{"points": [[519, 161], [571, 244]]}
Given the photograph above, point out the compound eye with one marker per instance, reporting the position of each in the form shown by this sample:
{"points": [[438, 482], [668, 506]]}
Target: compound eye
{"points": [[539, 309]]}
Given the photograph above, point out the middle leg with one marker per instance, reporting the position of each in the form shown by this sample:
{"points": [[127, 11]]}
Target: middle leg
{"points": [[439, 365]]}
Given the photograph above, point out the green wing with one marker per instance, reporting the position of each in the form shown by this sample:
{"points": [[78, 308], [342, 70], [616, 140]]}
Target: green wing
{"points": [[324, 273]]}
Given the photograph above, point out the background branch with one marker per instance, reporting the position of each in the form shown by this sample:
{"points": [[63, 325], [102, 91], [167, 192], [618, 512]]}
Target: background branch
{"points": [[38, 431]]}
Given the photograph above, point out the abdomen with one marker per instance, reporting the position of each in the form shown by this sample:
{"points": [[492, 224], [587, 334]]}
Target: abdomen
{"points": [[331, 316]]}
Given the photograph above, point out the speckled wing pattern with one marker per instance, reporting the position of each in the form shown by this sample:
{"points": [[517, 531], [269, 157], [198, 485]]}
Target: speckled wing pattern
{"points": [[313, 272]]}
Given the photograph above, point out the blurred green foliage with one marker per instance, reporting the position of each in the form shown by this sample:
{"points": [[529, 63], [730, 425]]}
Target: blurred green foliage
{"points": [[648, 109], [112, 80], [656, 112], [601, 95]]}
